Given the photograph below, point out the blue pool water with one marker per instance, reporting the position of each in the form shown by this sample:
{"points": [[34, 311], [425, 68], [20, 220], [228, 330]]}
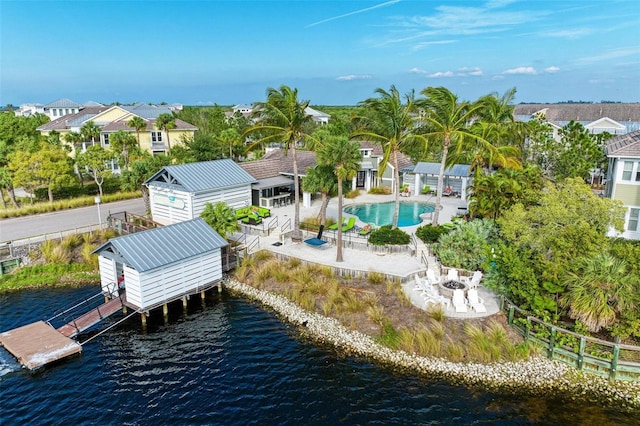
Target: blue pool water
{"points": [[382, 213]]}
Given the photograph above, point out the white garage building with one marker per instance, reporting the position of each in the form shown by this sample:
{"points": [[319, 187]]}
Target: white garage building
{"points": [[179, 193]]}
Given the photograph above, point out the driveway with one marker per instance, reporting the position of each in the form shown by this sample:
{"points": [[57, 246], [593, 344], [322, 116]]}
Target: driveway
{"points": [[45, 223]]}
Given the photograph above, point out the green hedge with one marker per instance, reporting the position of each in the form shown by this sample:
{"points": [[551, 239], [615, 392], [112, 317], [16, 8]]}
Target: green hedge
{"points": [[430, 234], [110, 186], [387, 236]]}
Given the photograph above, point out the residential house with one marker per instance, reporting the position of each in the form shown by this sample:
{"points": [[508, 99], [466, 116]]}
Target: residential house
{"points": [[112, 119], [623, 179], [246, 110], [614, 118], [181, 192], [368, 176]]}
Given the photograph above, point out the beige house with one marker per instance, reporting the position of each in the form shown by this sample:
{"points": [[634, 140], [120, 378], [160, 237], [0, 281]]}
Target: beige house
{"points": [[112, 119], [623, 179]]}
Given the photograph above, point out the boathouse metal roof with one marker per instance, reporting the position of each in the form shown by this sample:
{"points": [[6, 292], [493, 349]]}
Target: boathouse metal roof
{"points": [[434, 169], [163, 246], [202, 176]]}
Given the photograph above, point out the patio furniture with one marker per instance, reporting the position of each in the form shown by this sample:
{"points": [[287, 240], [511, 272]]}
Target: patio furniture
{"points": [[334, 227], [452, 275], [252, 219], [350, 225], [366, 230], [459, 301], [474, 281], [431, 277], [316, 241], [476, 303]]}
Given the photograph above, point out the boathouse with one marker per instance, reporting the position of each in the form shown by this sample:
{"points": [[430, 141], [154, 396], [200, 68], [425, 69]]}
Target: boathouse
{"points": [[178, 193], [162, 264]]}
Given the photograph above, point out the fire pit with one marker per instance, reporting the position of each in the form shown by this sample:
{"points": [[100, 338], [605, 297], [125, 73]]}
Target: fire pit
{"points": [[447, 287]]}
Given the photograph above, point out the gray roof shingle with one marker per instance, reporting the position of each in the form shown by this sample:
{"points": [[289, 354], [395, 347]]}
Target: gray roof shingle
{"points": [[624, 145], [434, 169], [163, 246], [202, 176]]}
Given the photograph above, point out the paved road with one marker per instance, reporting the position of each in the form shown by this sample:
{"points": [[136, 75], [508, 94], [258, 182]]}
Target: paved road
{"points": [[35, 225]]}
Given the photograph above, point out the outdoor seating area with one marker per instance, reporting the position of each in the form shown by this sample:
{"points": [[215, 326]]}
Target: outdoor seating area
{"points": [[254, 211], [348, 224], [430, 293]]}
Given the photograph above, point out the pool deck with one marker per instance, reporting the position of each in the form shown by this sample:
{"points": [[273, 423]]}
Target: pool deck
{"points": [[400, 265]]}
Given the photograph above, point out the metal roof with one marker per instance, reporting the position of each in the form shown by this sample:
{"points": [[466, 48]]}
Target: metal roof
{"points": [[272, 182], [434, 169], [202, 176], [163, 246], [63, 103]]}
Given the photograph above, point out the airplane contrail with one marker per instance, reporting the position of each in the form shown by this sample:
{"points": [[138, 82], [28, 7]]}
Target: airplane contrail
{"points": [[388, 3]]}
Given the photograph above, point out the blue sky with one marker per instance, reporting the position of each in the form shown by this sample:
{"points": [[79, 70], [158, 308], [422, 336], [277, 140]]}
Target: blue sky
{"points": [[333, 52]]}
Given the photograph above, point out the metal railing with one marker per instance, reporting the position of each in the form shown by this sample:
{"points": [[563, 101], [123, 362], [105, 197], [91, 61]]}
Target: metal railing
{"points": [[610, 359]]}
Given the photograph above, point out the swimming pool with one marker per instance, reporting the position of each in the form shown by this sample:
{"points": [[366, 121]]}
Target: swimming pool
{"points": [[382, 213]]}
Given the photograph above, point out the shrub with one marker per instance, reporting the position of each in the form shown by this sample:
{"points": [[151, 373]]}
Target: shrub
{"points": [[380, 190], [352, 194], [386, 235], [430, 234]]}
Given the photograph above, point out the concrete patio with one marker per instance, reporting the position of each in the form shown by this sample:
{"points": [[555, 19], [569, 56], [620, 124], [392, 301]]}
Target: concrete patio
{"points": [[402, 266]]}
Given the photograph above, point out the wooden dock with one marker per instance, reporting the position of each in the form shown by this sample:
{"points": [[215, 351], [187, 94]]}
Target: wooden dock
{"points": [[35, 345], [91, 318]]}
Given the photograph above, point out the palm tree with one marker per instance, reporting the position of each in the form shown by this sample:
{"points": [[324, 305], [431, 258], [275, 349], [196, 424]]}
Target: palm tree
{"points": [[221, 218], [282, 119], [90, 131], [600, 291], [138, 124], [392, 123], [344, 156], [321, 179], [447, 121], [166, 122], [74, 139]]}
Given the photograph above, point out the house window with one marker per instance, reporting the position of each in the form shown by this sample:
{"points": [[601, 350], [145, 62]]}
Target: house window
{"points": [[627, 170], [54, 112], [634, 218], [156, 136], [105, 139]]}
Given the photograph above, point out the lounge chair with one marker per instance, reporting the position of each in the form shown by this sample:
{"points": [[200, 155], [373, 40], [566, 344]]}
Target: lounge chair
{"points": [[474, 281], [431, 277], [452, 275], [366, 230], [459, 301], [316, 241], [350, 225], [447, 192], [334, 227], [476, 303]]}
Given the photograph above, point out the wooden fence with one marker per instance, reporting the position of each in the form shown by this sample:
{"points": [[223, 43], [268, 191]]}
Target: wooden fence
{"points": [[610, 359]]}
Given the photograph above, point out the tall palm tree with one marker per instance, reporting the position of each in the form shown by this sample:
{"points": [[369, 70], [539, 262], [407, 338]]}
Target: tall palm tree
{"points": [[321, 179], [344, 156], [166, 122], [447, 121], [282, 119], [138, 124], [600, 291], [90, 131], [391, 123]]}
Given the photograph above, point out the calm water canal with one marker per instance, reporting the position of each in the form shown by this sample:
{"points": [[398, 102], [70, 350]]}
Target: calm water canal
{"points": [[231, 363]]}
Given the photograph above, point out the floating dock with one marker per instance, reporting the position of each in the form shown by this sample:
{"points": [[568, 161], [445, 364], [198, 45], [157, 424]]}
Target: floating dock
{"points": [[38, 344]]}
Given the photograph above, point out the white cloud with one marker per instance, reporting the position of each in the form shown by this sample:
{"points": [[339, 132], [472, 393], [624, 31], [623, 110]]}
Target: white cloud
{"points": [[425, 44], [353, 77], [333, 18], [497, 77], [551, 69], [521, 70], [568, 34], [466, 71], [440, 74], [416, 70], [613, 54]]}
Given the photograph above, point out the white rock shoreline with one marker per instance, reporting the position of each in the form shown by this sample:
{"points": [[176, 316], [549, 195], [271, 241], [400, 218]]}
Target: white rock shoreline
{"points": [[538, 375]]}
